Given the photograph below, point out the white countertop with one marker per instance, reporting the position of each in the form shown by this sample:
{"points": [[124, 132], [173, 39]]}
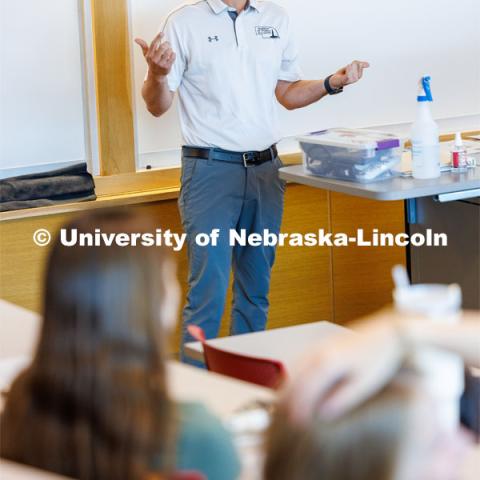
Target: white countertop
{"points": [[397, 188]]}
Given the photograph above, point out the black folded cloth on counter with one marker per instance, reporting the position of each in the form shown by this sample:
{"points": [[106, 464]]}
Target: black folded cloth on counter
{"points": [[65, 185]]}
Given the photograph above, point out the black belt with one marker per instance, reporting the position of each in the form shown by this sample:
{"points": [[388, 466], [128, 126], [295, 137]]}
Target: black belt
{"points": [[247, 159]]}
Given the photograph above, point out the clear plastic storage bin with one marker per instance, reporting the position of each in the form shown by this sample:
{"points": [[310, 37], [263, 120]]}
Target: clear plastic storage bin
{"points": [[357, 155]]}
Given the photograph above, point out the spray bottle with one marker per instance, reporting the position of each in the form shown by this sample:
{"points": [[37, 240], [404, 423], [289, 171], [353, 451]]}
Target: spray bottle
{"points": [[425, 136]]}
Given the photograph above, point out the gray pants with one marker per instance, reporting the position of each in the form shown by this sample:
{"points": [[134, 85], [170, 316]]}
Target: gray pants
{"points": [[220, 195]]}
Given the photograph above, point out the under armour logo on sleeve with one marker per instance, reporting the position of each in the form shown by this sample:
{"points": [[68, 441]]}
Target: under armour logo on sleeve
{"points": [[213, 39]]}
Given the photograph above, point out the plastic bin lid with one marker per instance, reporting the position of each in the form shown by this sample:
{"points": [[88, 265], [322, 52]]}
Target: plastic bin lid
{"points": [[357, 138]]}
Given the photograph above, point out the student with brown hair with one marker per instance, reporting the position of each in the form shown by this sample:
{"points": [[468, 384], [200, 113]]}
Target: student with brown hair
{"points": [[391, 436], [348, 413], [94, 403], [338, 450]]}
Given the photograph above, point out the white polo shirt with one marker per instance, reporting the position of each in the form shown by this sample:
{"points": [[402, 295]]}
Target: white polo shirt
{"points": [[226, 72]]}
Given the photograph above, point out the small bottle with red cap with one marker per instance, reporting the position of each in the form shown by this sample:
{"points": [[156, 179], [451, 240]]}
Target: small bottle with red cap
{"points": [[459, 155]]}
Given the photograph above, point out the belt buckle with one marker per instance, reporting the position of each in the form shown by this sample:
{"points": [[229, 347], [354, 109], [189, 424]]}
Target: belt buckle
{"points": [[247, 157]]}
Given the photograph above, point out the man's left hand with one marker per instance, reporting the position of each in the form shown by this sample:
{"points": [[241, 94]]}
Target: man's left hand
{"points": [[349, 74]]}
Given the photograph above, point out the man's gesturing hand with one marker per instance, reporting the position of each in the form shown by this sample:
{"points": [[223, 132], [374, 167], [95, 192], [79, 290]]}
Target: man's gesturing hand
{"points": [[350, 74], [159, 55]]}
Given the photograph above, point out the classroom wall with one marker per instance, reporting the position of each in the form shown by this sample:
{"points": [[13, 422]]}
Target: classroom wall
{"points": [[307, 284], [403, 40], [47, 98]]}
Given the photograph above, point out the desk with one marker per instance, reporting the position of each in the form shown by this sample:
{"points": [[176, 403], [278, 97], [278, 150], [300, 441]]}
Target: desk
{"points": [[19, 330], [448, 205], [18, 333], [397, 188], [15, 471], [284, 344], [224, 396]]}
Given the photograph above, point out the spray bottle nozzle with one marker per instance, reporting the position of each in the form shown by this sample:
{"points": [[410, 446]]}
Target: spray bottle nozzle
{"points": [[425, 85]]}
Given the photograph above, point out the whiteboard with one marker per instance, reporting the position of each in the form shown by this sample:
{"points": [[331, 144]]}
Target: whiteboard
{"points": [[45, 121], [402, 39]]}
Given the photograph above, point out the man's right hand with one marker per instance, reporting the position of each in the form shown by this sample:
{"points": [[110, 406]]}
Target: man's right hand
{"points": [[159, 56]]}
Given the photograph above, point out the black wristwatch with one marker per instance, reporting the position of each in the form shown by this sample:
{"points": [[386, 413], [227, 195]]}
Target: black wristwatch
{"points": [[330, 90]]}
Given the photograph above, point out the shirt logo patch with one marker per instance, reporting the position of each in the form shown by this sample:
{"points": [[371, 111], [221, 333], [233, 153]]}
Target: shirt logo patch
{"points": [[267, 32], [215, 38]]}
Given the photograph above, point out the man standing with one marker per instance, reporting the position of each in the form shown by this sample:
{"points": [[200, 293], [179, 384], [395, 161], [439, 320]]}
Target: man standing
{"points": [[230, 61]]}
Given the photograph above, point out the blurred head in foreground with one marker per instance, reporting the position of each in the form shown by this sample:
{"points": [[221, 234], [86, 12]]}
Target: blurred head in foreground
{"points": [[391, 436], [94, 403]]}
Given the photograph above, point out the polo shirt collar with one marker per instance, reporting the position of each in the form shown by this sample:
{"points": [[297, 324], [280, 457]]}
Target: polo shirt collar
{"points": [[218, 6], [256, 5]]}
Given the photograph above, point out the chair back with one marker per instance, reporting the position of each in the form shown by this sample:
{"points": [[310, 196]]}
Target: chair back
{"points": [[260, 371]]}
